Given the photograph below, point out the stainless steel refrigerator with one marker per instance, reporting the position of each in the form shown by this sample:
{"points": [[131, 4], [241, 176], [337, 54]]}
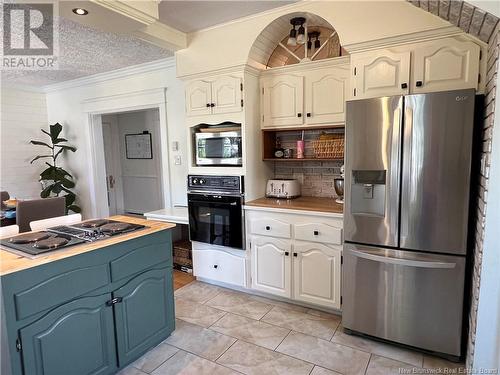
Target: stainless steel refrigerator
{"points": [[407, 180]]}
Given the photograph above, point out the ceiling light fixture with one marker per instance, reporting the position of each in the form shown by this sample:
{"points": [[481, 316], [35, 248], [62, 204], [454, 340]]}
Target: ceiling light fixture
{"points": [[80, 11], [313, 35], [295, 38]]}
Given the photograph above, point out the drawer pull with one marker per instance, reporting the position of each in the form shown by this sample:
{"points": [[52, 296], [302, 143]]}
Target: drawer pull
{"points": [[114, 301], [268, 227], [287, 253], [316, 232], [215, 266]]}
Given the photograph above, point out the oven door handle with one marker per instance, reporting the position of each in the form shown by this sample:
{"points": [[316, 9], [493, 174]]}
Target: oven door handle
{"points": [[213, 202]]}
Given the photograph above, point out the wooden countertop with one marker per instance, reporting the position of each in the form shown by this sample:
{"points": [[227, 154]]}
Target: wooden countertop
{"points": [[10, 262], [314, 204]]}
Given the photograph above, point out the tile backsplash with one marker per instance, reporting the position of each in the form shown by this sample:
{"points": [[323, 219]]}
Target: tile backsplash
{"points": [[316, 176]]}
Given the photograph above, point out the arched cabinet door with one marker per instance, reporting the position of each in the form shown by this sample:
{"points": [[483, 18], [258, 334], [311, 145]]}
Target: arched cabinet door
{"points": [[317, 274], [282, 100], [198, 98], [449, 64], [227, 94], [380, 73], [144, 314], [325, 92], [271, 265], [76, 338]]}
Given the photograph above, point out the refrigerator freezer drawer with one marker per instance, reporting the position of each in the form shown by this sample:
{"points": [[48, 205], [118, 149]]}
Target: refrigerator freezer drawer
{"points": [[408, 297]]}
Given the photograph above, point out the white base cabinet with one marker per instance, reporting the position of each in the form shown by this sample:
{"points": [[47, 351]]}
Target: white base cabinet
{"points": [[271, 266], [220, 264], [296, 256], [316, 274]]}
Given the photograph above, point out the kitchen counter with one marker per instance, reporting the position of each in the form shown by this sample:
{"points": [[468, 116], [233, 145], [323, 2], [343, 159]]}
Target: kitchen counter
{"points": [[10, 262], [176, 214], [305, 205]]}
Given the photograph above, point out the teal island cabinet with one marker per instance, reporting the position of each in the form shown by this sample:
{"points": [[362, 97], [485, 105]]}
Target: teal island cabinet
{"points": [[90, 309]]}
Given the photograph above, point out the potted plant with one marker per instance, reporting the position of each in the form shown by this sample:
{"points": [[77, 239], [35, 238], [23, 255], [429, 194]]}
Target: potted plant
{"points": [[56, 180]]}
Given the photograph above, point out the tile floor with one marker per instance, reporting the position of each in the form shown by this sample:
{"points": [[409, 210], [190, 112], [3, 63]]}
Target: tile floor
{"points": [[220, 331]]}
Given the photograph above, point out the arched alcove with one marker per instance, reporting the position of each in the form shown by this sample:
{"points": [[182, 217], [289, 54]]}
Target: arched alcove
{"points": [[270, 48]]}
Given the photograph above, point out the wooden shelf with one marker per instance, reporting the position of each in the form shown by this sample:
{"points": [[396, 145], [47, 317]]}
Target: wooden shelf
{"points": [[269, 141], [304, 159], [303, 128]]}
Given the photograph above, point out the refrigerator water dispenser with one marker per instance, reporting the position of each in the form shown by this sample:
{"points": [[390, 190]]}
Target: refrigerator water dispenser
{"points": [[368, 192]]}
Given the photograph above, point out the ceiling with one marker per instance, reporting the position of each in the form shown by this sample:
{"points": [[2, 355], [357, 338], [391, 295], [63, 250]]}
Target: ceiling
{"points": [[189, 16], [84, 51]]}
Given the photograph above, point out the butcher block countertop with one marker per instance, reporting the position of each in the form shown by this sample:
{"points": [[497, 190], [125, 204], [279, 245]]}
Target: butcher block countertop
{"points": [[10, 262], [311, 205]]}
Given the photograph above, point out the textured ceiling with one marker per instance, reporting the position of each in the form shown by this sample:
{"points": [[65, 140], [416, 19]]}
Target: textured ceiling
{"points": [[189, 16], [84, 51]]}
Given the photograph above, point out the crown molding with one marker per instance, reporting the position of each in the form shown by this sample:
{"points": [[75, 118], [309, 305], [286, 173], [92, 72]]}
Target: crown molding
{"points": [[114, 74], [126, 10], [241, 68], [420, 36], [309, 65]]}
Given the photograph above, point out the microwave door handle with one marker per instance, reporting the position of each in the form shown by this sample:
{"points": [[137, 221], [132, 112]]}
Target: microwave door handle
{"points": [[402, 261]]}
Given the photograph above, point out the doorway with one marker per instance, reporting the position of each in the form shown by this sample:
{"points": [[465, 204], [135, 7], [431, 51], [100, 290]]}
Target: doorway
{"points": [[132, 160]]}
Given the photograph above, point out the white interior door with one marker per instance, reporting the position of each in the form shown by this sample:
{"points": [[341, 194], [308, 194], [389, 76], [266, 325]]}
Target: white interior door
{"points": [[110, 160]]}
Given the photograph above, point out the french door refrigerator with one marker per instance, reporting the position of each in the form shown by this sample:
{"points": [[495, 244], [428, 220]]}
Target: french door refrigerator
{"points": [[407, 179]]}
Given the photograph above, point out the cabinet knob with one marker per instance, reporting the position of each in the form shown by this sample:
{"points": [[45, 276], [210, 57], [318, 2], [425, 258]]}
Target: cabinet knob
{"points": [[215, 265], [212, 104], [268, 227], [316, 233], [419, 84], [299, 114], [208, 105], [404, 85], [287, 253], [294, 254], [308, 114]]}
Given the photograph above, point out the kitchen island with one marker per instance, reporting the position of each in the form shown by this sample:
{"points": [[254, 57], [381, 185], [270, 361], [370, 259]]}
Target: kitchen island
{"points": [[91, 308]]}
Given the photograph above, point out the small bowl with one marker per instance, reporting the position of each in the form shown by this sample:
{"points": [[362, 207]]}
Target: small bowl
{"points": [[10, 203]]}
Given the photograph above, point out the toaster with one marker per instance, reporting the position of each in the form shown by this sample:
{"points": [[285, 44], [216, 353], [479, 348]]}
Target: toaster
{"points": [[283, 188]]}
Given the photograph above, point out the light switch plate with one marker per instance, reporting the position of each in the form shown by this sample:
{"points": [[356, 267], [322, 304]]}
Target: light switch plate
{"points": [[177, 160], [175, 146]]}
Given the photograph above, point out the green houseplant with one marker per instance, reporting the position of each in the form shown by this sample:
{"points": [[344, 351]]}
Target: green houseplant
{"points": [[56, 180]]}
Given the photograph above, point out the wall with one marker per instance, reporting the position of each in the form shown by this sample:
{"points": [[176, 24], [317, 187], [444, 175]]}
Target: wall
{"points": [[484, 200], [64, 104], [23, 114], [355, 21]]}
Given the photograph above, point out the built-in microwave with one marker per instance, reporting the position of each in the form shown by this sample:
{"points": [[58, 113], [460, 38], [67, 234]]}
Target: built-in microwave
{"points": [[218, 147]]}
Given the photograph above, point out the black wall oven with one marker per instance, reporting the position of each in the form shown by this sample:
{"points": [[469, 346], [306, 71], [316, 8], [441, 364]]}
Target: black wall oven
{"points": [[215, 205]]}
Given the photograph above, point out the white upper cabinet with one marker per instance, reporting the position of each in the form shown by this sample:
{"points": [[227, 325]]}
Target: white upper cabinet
{"points": [[198, 98], [317, 274], [306, 94], [326, 95], [448, 65], [437, 65], [282, 100], [227, 94], [222, 94], [271, 266], [380, 73]]}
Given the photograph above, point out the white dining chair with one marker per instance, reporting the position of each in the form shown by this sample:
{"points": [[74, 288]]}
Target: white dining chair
{"points": [[9, 231], [55, 221]]}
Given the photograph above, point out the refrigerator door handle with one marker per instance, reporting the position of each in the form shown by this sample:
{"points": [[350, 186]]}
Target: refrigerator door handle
{"points": [[405, 176], [401, 261]]}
